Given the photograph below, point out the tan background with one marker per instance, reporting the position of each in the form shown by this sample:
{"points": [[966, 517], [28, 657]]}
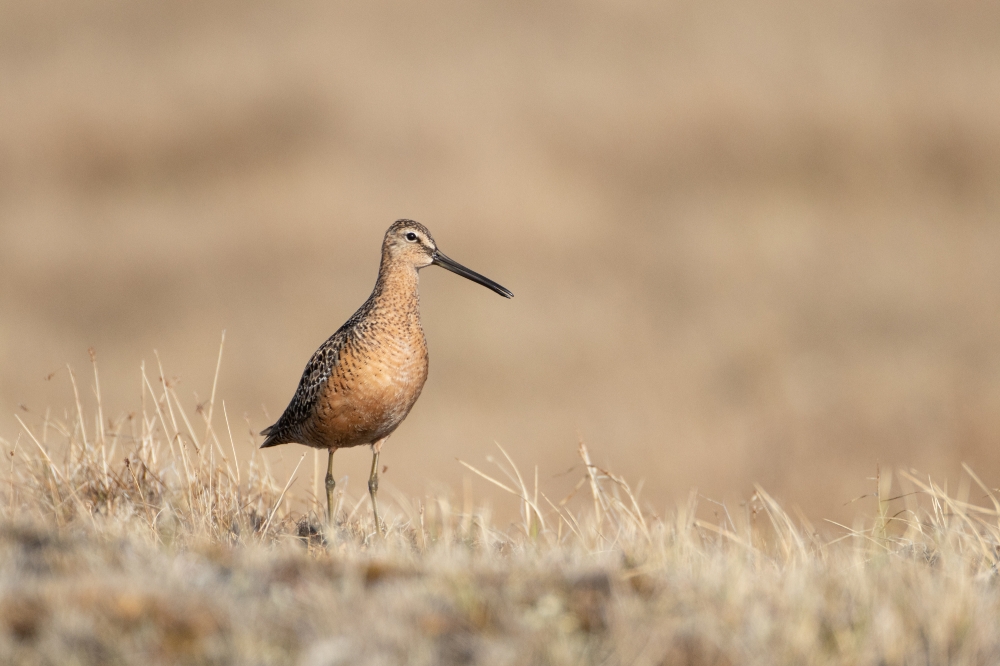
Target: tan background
{"points": [[748, 242]]}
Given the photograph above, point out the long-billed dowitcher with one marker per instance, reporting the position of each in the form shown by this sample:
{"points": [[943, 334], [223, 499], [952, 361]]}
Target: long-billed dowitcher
{"points": [[362, 382]]}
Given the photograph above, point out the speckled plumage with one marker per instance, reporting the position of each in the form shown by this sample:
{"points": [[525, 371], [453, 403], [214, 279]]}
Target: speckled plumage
{"points": [[362, 382]]}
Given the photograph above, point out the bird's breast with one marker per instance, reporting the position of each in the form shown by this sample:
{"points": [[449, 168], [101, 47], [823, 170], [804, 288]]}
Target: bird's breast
{"points": [[377, 380]]}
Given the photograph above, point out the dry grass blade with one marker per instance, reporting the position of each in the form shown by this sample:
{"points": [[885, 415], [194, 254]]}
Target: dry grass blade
{"points": [[100, 411], [145, 504], [277, 503], [232, 442], [585, 456], [79, 408], [215, 385], [532, 505], [632, 512], [784, 527], [989, 493], [730, 536], [489, 478]]}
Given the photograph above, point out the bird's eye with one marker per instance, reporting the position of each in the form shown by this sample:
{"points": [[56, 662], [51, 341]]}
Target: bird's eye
{"points": [[412, 237]]}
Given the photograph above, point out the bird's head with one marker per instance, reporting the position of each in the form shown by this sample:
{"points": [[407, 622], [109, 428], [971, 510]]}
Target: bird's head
{"points": [[410, 242]]}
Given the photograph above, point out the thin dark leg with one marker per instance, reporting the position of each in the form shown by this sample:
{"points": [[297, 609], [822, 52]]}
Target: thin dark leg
{"points": [[373, 489], [330, 485]]}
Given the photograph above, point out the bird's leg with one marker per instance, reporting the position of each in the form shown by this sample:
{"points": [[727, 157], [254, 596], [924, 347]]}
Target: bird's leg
{"points": [[373, 483], [373, 490], [330, 485]]}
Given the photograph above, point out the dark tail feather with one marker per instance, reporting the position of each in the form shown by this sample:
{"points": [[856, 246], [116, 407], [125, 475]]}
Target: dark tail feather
{"points": [[273, 439]]}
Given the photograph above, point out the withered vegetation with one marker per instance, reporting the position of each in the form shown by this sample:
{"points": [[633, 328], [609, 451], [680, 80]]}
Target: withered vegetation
{"points": [[145, 539]]}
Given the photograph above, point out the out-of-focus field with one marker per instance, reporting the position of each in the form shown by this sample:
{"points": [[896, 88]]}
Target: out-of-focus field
{"points": [[749, 242]]}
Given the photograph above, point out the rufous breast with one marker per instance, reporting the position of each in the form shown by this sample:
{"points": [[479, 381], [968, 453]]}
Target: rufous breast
{"points": [[377, 380]]}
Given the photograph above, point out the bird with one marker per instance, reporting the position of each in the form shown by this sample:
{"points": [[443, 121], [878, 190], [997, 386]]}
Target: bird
{"points": [[364, 380]]}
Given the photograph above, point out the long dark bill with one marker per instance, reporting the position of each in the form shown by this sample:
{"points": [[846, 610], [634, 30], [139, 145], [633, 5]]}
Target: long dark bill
{"points": [[455, 267]]}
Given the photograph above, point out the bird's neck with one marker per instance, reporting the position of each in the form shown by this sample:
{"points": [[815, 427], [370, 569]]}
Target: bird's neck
{"points": [[396, 290]]}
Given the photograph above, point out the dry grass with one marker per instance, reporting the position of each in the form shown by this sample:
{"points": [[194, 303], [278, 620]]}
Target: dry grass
{"points": [[145, 539]]}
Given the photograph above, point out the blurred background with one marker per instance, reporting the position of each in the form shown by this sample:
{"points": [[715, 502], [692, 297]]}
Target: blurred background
{"points": [[749, 242]]}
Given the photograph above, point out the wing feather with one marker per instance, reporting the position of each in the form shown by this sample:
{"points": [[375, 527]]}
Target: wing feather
{"points": [[317, 372]]}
